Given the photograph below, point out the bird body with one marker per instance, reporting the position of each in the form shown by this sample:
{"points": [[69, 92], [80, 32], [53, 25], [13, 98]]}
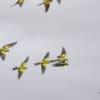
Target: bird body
{"points": [[46, 3], [44, 62], [4, 49], [61, 59], [22, 67]]}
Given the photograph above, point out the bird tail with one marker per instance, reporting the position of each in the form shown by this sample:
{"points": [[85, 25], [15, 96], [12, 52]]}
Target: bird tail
{"points": [[37, 63], [14, 68]]}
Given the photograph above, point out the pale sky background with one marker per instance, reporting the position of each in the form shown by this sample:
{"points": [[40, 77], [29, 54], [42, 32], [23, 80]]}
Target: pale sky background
{"points": [[75, 25]]}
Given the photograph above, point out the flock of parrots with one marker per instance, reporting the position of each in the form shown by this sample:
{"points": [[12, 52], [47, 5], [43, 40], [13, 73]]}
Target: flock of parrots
{"points": [[46, 3], [60, 61]]}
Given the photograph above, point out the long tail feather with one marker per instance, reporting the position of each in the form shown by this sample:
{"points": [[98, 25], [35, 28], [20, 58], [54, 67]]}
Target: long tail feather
{"points": [[14, 68]]}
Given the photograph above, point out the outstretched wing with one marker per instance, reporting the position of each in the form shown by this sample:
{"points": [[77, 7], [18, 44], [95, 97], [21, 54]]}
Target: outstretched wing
{"points": [[47, 6], [46, 55], [59, 1], [25, 61], [19, 74], [10, 44], [63, 51], [43, 69], [3, 56]]}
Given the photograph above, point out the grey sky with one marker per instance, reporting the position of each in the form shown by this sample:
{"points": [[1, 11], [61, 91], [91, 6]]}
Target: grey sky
{"points": [[75, 25]]}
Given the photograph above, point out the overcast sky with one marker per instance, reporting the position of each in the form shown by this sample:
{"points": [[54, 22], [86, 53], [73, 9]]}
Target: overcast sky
{"points": [[75, 25]]}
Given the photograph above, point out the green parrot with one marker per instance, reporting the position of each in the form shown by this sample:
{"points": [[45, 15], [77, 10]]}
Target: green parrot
{"points": [[22, 67], [46, 3], [59, 1], [43, 63], [18, 2], [61, 59], [5, 49]]}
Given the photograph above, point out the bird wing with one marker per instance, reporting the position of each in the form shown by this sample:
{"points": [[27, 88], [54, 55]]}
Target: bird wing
{"points": [[59, 1], [47, 6], [19, 74], [10, 44], [3, 56], [43, 69], [25, 61], [46, 55], [63, 51]]}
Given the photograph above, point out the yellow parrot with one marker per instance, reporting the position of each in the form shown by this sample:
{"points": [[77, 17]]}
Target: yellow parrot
{"points": [[46, 3], [4, 49], [61, 59], [22, 67], [44, 62], [18, 2]]}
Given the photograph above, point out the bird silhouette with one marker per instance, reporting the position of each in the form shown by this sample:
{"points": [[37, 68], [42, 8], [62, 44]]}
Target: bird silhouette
{"points": [[44, 62], [18, 2], [62, 59], [4, 49], [22, 67], [46, 3]]}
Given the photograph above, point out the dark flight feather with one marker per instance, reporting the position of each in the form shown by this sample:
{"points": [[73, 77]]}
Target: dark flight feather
{"points": [[10, 44], [63, 51], [47, 7], [19, 74], [46, 55], [43, 69], [2, 56], [26, 60]]}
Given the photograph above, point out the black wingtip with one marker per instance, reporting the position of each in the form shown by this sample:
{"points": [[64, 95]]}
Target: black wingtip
{"points": [[27, 59], [47, 54], [63, 50]]}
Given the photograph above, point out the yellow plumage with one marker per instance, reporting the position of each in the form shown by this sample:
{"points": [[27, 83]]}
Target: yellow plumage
{"points": [[22, 67], [44, 62]]}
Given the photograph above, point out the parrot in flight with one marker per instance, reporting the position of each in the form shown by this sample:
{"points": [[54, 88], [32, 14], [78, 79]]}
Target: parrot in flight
{"points": [[5, 49], [18, 2], [22, 67], [46, 3], [62, 59], [44, 62]]}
